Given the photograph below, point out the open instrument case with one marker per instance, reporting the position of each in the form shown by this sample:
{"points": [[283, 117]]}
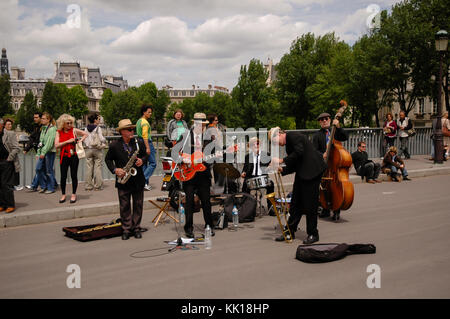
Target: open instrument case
{"points": [[95, 231]]}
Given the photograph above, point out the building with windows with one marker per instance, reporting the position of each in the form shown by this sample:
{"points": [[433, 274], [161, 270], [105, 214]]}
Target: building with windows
{"points": [[178, 95], [68, 73]]}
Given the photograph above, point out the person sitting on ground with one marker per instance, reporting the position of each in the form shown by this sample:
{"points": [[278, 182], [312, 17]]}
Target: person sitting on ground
{"points": [[394, 163], [365, 167]]}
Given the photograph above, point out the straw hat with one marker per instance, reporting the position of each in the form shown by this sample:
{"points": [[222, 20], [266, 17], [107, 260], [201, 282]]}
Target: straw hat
{"points": [[123, 124], [200, 117]]}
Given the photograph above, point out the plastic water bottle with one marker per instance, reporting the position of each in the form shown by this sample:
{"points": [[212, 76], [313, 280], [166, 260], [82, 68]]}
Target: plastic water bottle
{"points": [[208, 241], [182, 214], [235, 214]]}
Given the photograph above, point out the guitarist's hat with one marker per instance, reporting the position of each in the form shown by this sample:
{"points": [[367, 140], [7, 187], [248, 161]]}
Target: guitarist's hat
{"points": [[200, 117], [323, 115], [124, 124]]}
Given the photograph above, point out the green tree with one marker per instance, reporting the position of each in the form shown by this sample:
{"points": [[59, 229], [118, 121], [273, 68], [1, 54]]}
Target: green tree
{"points": [[297, 71], [160, 108], [54, 99], [5, 96], [25, 114], [78, 101], [123, 105]]}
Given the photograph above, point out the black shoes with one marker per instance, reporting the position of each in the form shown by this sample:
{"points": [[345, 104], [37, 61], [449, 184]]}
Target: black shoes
{"points": [[137, 234], [190, 235], [311, 239], [125, 236], [288, 237], [324, 214], [395, 179], [406, 178], [336, 216]]}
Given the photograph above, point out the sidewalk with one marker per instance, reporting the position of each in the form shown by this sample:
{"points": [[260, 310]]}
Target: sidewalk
{"points": [[35, 208]]}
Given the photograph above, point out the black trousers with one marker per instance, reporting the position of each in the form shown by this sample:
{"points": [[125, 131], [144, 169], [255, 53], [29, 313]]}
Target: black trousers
{"points": [[71, 162], [305, 201], [371, 170], [131, 220], [7, 180], [200, 183]]}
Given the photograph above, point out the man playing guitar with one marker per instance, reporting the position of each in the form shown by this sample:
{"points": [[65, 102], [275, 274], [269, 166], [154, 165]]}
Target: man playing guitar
{"points": [[193, 143]]}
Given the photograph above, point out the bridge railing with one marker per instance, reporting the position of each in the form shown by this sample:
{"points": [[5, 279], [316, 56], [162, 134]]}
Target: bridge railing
{"points": [[420, 144]]}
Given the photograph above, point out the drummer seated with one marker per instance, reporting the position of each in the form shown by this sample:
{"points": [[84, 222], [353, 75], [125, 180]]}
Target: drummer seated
{"points": [[255, 167]]}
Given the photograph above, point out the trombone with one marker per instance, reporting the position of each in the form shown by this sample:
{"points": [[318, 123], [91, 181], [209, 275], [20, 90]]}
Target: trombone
{"points": [[284, 206]]}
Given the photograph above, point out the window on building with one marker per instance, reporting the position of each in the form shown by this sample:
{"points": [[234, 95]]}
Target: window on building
{"points": [[435, 104], [192, 93], [421, 106], [175, 93]]}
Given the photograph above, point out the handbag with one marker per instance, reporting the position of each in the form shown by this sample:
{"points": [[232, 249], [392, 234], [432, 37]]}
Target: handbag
{"points": [[411, 132], [79, 148], [95, 140]]}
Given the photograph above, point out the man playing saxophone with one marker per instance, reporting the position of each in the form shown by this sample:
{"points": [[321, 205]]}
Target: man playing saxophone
{"points": [[124, 159]]}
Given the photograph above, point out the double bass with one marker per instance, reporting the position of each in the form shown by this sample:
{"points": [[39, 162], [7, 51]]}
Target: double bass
{"points": [[336, 190]]}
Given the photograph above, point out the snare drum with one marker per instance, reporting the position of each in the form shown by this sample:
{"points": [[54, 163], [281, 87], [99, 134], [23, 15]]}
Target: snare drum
{"points": [[258, 182]]}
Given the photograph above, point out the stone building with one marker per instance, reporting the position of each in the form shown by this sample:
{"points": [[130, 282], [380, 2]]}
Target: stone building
{"points": [[178, 95]]}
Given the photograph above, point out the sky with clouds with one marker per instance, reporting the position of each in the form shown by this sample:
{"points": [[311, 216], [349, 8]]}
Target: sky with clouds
{"points": [[174, 42]]}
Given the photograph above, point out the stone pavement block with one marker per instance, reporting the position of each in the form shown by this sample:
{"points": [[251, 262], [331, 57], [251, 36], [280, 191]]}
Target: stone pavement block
{"points": [[37, 217], [97, 209]]}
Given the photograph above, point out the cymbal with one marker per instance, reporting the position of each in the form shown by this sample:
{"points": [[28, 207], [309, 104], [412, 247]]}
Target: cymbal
{"points": [[226, 170]]}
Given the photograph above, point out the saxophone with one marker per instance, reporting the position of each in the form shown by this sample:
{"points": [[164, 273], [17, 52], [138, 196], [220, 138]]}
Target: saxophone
{"points": [[129, 169]]}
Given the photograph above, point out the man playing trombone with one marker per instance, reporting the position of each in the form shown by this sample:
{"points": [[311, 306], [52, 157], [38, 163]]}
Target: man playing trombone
{"points": [[308, 166]]}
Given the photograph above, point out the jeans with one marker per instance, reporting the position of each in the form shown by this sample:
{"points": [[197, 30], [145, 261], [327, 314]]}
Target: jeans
{"points": [[394, 171], [149, 167], [41, 177], [49, 171]]}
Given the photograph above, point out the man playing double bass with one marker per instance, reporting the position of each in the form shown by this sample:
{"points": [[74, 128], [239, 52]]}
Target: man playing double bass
{"points": [[308, 166], [320, 141]]}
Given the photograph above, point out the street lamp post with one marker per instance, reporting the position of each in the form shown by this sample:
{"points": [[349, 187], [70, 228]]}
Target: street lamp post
{"points": [[441, 41]]}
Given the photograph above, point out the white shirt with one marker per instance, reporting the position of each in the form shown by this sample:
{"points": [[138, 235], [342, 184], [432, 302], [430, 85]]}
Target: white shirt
{"points": [[257, 164]]}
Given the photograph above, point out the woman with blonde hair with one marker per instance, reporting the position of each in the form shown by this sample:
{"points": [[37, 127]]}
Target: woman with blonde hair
{"points": [[66, 139]]}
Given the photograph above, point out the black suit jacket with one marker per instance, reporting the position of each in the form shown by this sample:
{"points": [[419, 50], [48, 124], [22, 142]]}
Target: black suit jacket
{"points": [[320, 138], [117, 157], [359, 159], [302, 158], [249, 166]]}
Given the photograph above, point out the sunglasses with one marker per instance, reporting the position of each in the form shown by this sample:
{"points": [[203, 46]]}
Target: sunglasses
{"points": [[129, 129], [69, 122], [324, 119]]}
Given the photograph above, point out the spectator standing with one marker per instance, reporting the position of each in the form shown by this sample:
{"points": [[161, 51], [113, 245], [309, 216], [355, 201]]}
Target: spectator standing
{"points": [[176, 128], [446, 134], [46, 154], [389, 131], [66, 139], [143, 130], [404, 124], [9, 164], [33, 144], [9, 126], [94, 145]]}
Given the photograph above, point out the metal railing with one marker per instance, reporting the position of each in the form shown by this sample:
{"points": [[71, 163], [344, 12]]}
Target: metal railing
{"points": [[420, 144]]}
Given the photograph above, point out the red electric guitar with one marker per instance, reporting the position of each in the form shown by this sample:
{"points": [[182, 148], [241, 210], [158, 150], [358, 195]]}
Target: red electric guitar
{"points": [[193, 163]]}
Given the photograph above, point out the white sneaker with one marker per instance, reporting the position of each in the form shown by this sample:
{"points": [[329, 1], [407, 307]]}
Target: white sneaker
{"points": [[18, 188], [147, 187]]}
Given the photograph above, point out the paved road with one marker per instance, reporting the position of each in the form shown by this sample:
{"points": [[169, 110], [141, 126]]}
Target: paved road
{"points": [[408, 223]]}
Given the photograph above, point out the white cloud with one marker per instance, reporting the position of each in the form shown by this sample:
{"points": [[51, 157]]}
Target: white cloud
{"points": [[170, 42]]}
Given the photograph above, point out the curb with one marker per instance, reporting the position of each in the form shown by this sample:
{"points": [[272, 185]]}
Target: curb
{"points": [[112, 208]]}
